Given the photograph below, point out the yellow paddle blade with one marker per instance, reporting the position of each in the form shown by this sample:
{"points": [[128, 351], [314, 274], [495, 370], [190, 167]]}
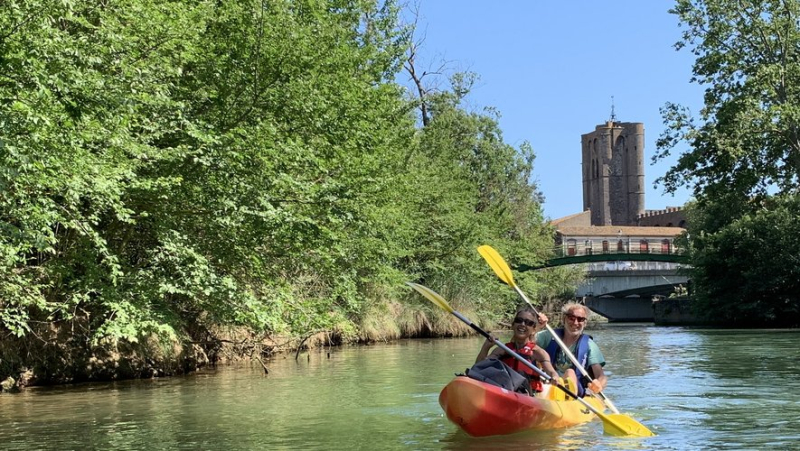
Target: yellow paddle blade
{"points": [[497, 263], [431, 295], [622, 425]]}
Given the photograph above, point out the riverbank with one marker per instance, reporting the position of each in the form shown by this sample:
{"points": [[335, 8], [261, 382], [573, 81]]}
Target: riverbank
{"points": [[678, 311], [51, 355]]}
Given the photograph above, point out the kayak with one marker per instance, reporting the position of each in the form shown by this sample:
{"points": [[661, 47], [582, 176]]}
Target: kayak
{"points": [[482, 409]]}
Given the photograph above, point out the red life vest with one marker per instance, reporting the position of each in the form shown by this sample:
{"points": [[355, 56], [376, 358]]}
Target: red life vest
{"points": [[527, 352]]}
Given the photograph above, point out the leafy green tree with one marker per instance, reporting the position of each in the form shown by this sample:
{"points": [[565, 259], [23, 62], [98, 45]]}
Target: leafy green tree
{"points": [[473, 189], [745, 272], [85, 91], [169, 164], [171, 167], [748, 136], [743, 149], [309, 130]]}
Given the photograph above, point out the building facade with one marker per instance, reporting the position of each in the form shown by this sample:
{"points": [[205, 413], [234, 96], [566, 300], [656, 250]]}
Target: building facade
{"points": [[614, 219], [574, 240]]}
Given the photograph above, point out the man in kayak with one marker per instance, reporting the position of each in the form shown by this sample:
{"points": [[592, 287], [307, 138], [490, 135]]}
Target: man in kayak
{"points": [[580, 345], [523, 326]]}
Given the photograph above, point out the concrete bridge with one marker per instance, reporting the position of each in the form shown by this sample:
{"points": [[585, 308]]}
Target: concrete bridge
{"points": [[627, 294], [620, 285]]}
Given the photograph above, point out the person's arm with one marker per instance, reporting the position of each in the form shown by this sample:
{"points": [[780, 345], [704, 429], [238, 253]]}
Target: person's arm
{"points": [[541, 356], [596, 362], [551, 371], [540, 326], [600, 380], [483, 354]]}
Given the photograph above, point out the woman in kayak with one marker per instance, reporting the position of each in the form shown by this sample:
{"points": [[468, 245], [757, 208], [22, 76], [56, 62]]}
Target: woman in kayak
{"points": [[523, 326], [582, 347]]}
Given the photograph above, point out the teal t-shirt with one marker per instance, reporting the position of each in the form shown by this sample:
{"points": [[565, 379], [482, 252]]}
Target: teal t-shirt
{"points": [[562, 363]]}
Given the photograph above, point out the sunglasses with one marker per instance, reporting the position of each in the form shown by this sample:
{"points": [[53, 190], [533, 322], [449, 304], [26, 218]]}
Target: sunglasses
{"points": [[527, 322], [572, 317]]}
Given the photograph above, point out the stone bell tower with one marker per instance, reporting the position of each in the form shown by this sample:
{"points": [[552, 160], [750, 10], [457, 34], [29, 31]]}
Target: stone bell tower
{"points": [[613, 173]]}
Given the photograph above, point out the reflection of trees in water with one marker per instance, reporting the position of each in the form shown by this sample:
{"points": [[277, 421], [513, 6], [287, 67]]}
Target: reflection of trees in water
{"points": [[751, 385], [626, 349], [750, 355]]}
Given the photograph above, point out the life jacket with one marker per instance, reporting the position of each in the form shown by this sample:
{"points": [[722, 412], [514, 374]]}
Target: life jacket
{"points": [[527, 352], [582, 355]]}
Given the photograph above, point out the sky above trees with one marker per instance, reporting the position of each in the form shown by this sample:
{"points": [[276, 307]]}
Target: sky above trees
{"points": [[551, 69]]}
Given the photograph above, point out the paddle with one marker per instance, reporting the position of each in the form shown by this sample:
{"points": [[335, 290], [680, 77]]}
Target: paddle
{"points": [[613, 424], [503, 271]]}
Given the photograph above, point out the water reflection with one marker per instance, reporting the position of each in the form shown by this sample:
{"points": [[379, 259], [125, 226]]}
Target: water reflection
{"points": [[697, 389], [586, 436]]}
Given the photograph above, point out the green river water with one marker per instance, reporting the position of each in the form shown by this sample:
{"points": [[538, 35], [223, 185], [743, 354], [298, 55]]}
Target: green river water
{"points": [[695, 388]]}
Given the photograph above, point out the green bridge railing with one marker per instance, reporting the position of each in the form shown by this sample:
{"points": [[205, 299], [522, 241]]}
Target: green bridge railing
{"points": [[588, 255]]}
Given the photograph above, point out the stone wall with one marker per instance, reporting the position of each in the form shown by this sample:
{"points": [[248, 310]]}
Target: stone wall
{"points": [[669, 217]]}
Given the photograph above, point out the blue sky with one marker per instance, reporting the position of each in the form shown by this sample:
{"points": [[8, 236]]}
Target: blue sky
{"points": [[551, 69]]}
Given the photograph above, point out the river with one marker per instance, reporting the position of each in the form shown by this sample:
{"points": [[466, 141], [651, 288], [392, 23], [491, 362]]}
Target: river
{"points": [[695, 388]]}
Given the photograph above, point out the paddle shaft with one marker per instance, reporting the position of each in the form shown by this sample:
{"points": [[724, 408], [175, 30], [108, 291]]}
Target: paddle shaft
{"points": [[566, 350]]}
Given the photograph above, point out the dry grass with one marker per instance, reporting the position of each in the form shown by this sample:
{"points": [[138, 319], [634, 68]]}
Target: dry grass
{"points": [[379, 324], [396, 320]]}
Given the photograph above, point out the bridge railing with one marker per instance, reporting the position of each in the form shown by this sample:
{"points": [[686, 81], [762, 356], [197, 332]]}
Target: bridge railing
{"points": [[583, 249], [623, 265]]}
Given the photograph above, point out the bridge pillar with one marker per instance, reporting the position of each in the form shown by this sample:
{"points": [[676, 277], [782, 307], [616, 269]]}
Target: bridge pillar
{"points": [[638, 309]]}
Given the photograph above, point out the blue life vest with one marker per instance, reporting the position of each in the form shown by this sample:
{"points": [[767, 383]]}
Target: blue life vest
{"points": [[582, 355]]}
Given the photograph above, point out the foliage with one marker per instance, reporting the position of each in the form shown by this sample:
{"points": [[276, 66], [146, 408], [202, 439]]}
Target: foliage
{"points": [[170, 166], [747, 139], [743, 159], [166, 161], [472, 188], [747, 272]]}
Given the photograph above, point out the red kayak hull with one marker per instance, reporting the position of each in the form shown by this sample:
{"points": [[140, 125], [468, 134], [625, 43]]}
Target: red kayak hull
{"points": [[481, 409]]}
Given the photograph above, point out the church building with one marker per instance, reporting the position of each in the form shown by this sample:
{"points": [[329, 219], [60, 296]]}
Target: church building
{"points": [[614, 218]]}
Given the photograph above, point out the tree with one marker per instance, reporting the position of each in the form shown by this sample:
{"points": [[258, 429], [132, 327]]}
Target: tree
{"points": [[743, 159], [746, 272], [748, 137], [170, 167], [168, 164], [472, 188]]}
